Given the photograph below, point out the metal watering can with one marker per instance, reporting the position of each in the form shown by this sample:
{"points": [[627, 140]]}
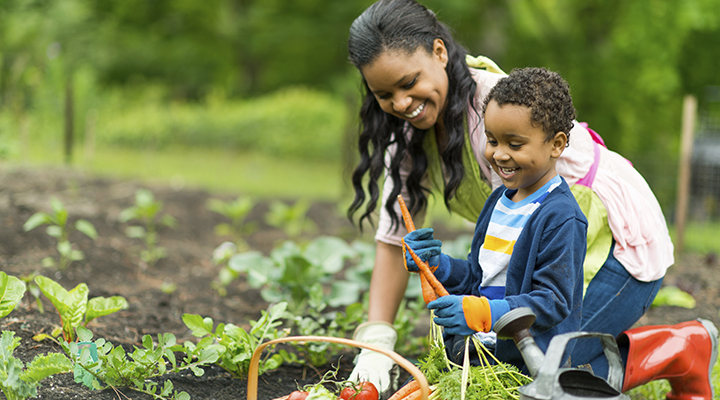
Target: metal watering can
{"points": [[551, 382]]}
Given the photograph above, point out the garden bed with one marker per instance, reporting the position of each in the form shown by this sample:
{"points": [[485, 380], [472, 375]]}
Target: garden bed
{"points": [[112, 266]]}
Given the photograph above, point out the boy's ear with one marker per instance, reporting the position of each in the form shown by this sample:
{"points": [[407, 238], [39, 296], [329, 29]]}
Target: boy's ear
{"points": [[559, 143]]}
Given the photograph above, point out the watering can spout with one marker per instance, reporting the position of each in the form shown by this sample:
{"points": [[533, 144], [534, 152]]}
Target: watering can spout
{"points": [[515, 325]]}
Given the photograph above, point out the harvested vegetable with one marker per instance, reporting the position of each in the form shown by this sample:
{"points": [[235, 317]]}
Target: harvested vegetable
{"points": [[491, 382], [431, 287]]}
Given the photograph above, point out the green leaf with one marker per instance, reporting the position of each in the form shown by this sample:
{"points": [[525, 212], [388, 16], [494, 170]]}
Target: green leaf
{"points": [[64, 248], [87, 228], [101, 306], [200, 327], [673, 296], [344, 293], [12, 290], [329, 252], [48, 262], [54, 231], [46, 365], [71, 305], [136, 232], [128, 214], [182, 396], [144, 197], [36, 220]]}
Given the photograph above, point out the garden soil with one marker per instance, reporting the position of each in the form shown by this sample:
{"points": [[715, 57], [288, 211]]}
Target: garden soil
{"points": [[112, 266]]}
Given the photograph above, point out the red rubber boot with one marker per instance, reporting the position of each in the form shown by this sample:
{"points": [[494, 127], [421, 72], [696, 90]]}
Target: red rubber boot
{"points": [[684, 354]]}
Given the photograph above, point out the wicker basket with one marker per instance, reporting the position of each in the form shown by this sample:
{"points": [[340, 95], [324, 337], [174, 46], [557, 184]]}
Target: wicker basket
{"points": [[407, 365]]}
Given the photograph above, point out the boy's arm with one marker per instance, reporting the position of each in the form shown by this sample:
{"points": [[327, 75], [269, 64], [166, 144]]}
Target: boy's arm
{"points": [[557, 277]]}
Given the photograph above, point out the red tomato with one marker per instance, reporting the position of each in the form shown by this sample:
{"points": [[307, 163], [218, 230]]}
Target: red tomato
{"points": [[297, 395], [361, 391]]}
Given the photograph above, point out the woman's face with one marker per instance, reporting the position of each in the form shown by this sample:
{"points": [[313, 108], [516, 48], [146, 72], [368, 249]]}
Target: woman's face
{"points": [[412, 87]]}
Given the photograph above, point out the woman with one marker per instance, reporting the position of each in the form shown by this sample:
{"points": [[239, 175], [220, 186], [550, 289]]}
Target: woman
{"points": [[422, 131]]}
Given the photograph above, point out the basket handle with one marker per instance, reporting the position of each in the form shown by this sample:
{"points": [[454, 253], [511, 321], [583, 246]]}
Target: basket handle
{"points": [[407, 365]]}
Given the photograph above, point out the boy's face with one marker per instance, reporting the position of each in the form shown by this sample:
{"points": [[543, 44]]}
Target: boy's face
{"points": [[518, 150], [412, 87]]}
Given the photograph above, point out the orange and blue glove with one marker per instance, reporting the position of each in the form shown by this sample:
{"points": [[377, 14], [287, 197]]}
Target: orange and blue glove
{"points": [[426, 247], [462, 315]]}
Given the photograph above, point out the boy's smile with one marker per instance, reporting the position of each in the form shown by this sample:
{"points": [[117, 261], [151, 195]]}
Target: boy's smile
{"points": [[518, 150]]}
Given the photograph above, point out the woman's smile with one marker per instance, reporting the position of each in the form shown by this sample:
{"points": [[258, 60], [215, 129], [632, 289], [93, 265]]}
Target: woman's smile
{"points": [[417, 111], [410, 86]]}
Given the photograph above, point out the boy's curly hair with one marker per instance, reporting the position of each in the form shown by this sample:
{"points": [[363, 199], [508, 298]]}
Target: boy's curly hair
{"points": [[545, 92]]}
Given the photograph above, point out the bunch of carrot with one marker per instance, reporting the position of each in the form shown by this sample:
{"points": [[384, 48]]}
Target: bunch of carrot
{"points": [[431, 287]]}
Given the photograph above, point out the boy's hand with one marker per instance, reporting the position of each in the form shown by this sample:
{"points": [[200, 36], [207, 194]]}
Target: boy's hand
{"points": [[421, 241], [462, 315]]}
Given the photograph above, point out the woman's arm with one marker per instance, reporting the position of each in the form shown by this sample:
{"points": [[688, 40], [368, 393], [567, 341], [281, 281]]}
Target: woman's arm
{"points": [[388, 283]]}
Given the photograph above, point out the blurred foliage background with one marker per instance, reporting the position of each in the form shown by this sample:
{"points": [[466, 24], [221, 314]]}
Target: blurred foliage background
{"points": [[258, 95]]}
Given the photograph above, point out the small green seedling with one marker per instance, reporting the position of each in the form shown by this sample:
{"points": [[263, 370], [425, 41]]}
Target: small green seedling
{"points": [[236, 211], [74, 308], [293, 220], [235, 345], [12, 291], [147, 211], [114, 367], [58, 228], [19, 382]]}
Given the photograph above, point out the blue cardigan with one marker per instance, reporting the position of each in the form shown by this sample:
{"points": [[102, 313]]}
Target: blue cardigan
{"points": [[545, 271]]}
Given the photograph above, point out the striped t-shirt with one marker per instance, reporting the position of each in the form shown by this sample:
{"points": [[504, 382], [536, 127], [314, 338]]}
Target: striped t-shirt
{"points": [[506, 223]]}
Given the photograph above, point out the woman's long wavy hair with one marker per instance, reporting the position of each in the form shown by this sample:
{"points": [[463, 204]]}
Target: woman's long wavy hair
{"points": [[405, 25]]}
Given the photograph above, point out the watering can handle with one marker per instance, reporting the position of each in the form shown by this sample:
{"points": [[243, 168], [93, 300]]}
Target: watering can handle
{"points": [[554, 353]]}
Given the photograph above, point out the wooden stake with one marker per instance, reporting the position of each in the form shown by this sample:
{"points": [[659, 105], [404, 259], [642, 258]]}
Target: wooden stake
{"points": [[686, 148]]}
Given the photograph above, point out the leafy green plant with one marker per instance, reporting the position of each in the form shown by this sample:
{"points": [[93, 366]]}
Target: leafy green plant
{"points": [[410, 312], [236, 211], [18, 381], [147, 211], [221, 257], [293, 220], [12, 291], [139, 370], [290, 271], [58, 228], [73, 306], [317, 321], [235, 345]]}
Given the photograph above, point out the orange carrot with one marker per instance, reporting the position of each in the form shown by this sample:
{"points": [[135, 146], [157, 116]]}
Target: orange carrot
{"points": [[431, 287], [403, 392], [406, 214], [424, 269], [416, 395], [427, 290]]}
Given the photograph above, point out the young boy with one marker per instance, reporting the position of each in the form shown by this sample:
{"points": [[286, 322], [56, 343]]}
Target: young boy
{"points": [[529, 243]]}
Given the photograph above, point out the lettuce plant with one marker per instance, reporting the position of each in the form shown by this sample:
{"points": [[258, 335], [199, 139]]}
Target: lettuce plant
{"points": [[74, 307], [18, 381]]}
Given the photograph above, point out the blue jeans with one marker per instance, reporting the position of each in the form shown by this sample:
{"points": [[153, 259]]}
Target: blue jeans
{"points": [[614, 302]]}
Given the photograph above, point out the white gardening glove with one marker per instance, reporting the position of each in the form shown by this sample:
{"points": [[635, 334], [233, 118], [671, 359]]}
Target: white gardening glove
{"points": [[370, 365]]}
